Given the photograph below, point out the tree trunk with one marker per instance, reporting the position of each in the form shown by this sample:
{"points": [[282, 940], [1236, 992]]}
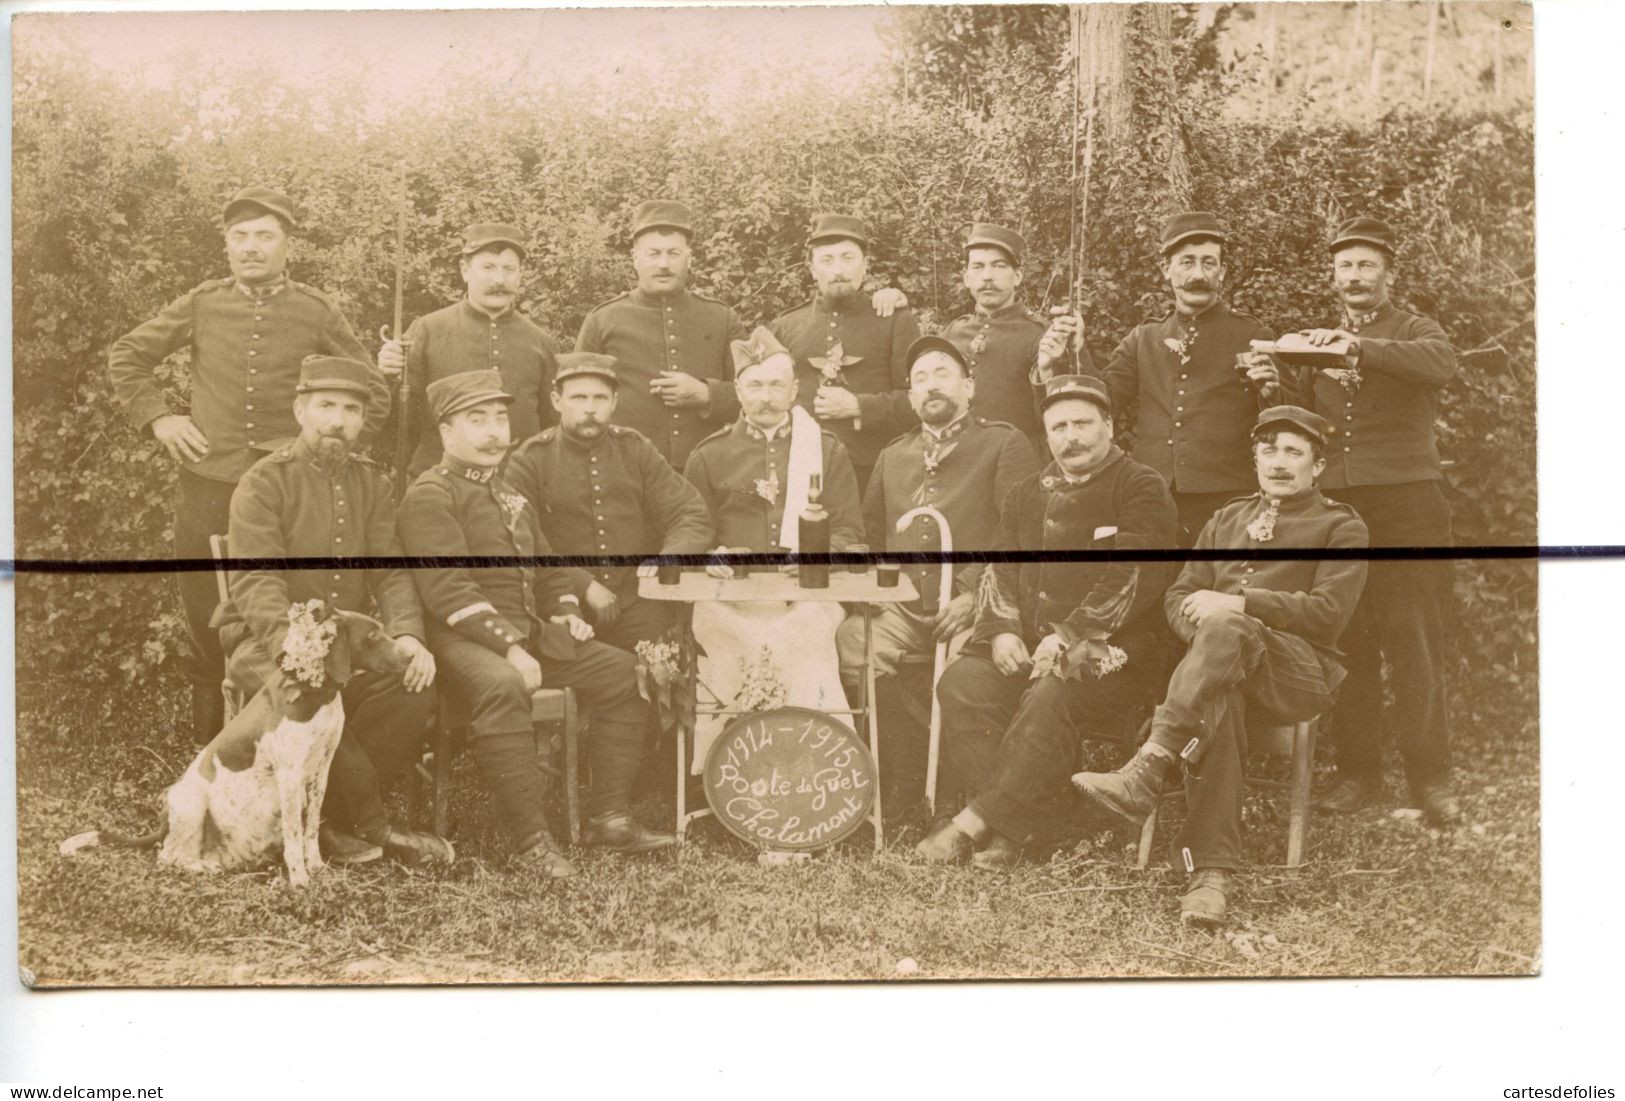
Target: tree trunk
{"points": [[1129, 47]]}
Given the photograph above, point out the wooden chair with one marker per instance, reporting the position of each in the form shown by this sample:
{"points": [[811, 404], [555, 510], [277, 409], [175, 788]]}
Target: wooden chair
{"points": [[554, 707], [1295, 741]]}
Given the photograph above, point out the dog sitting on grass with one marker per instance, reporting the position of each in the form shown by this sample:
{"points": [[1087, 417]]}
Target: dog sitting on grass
{"points": [[258, 786]]}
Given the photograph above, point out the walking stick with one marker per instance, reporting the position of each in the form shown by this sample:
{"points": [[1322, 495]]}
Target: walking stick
{"points": [[403, 392], [945, 594], [1079, 211]]}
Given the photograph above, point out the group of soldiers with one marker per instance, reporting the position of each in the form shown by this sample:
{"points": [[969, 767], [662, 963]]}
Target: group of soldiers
{"points": [[673, 429]]}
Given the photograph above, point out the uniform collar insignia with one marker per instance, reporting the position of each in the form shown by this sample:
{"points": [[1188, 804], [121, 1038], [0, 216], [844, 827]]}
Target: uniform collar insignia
{"points": [[481, 474], [305, 452], [773, 433], [1353, 321], [952, 429], [260, 294]]}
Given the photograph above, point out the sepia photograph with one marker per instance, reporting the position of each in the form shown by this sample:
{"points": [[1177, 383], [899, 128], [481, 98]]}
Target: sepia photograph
{"points": [[715, 495]]}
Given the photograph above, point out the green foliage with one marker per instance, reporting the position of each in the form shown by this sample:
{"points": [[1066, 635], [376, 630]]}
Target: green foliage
{"points": [[117, 201]]}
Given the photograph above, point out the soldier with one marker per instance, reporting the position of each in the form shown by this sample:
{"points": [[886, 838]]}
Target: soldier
{"points": [[850, 366], [320, 497], [1195, 408], [755, 479], [484, 331], [1055, 644], [1261, 632], [600, 488], [1002, 339], [247, 334], [958, 463], [670, 345], [502, 632], [1385, 463]]}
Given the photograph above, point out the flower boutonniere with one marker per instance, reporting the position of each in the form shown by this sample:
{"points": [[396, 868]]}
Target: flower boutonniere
{"points": [[832, 367], [768, 488], [1262, 529], [512, 504], [1181, 346], [1349, 378]]}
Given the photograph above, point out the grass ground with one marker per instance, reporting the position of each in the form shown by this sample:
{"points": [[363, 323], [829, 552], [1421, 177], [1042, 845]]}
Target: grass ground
{"points": [[1380, 895]]}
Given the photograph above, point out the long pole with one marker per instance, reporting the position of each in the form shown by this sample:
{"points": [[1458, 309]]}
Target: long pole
{"points": [[403, 404]]}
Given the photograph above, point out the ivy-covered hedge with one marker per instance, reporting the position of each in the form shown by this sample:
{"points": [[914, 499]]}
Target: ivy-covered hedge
{"points": [[117, 200]]}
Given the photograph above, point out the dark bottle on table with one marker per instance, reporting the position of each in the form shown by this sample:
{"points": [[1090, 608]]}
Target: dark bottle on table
{"points": [[813, 536]]}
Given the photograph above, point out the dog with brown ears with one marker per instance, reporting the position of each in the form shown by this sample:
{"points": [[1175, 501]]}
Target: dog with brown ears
{"points": [[258, 787]]}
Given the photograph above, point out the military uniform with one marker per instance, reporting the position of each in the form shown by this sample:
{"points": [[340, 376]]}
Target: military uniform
{"points": [[1279, 654], [1002, 349], [1012, 742], [741, 473], [463, 338], [612, 495], [246, 346], [872, 364], [1195, 413], [963, 471], [1385, 463], [648, 334], [291, 505], [475, 614]]}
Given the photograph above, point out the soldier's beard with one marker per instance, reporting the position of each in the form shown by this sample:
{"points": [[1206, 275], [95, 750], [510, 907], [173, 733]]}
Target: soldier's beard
{"points": [[844, 296], [331, 450]]}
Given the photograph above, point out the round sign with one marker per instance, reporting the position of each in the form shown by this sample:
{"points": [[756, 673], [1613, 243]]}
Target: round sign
{"points": [[790, 778]]}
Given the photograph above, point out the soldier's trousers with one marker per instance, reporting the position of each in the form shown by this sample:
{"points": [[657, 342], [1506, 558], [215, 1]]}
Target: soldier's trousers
{"points": [[1401, 619], [384, 728], [639, 621], [1234, 661], [202, 509], [1014, 742], [486, 690]]}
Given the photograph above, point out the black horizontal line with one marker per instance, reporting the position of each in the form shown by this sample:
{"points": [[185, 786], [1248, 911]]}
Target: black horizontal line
{"points": [[603, 561]]}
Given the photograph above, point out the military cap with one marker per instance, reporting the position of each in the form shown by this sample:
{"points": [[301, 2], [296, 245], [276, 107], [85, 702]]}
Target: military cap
{"points": [[480, 234], [985, 234], [1364, 231], [662, 214], [937, 344], [1087, 387], [334, 373], [588, 365], [262, 200], [454, 393], [838, 227], [761, 347], [1192, 223], [1310, 424]]}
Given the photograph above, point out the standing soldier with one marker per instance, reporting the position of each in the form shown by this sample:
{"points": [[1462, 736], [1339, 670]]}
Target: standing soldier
{"points": [[319, 498], [1002, 339], [1386, 464], [851, 367], [600, 488], [247, 335], [670, 345], [1196, 409], [502, 632], [484, 331]]}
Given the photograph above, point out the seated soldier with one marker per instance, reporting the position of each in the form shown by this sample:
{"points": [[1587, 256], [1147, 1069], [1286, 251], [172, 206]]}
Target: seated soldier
{"points": [[502, 632], [318, 498], [602, 488], [755, 477], [1260, 632], [1057, 645], [958, 464]]}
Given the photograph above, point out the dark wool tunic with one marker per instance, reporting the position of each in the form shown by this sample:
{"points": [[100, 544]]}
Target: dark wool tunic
{"points": [[1002, 347], [1385, 423], [1195, 418], [454, 509], [461, 338], [730, 467], [648, 334], [615, 495], [289, 506], [874, 367], [963, 474], [246, 352], [1310, 598], [1123, 505]]}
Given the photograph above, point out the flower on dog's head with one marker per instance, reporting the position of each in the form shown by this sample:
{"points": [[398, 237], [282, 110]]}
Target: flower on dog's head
{"points": [[305, 647]]}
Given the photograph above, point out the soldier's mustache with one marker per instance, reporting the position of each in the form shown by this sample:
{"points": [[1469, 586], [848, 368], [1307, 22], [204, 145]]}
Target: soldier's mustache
{"points": [[1197, 285]]}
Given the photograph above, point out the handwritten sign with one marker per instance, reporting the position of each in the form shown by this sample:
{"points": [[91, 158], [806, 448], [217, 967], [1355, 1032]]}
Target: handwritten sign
{"points": [[790, 778]]}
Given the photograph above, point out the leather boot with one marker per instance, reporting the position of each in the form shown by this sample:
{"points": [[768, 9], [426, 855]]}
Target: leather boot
{"points": [[621, 833], [1206, 895], [1001, 855], [946, 844], [1132, 791], [1350, 794], [540, 854]]}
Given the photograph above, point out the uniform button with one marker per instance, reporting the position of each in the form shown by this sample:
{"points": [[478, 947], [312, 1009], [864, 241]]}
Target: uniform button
{"points": [[1249, 569], [1043, 596], [1349, 417], [1182, 377], [496, 353], [248, 408], [252, 352], [250, 424], [256, 336], [1179, 424], [250, 443], [1179, 408], [338, 577], [250, 389], [333, 596], [1350, 405], [341, 519], [1170, 441], [1345, 449], [253, 370], [1182, 393], [338, 538]]}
